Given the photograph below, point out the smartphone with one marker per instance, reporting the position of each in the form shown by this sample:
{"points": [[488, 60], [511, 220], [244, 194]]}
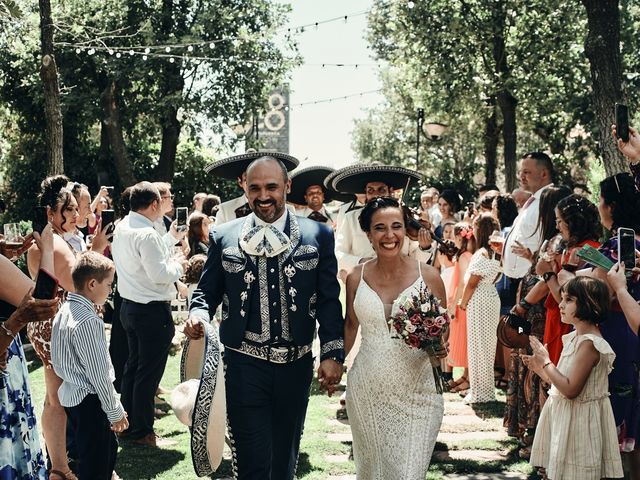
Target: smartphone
{"points": [[46, 286], [627, 247], [110, 190], [181, 217], [622, 122], [40, 219], [108, 218]]}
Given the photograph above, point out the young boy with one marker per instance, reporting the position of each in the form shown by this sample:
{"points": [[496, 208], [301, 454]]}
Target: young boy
{"points": [[80, 358]]}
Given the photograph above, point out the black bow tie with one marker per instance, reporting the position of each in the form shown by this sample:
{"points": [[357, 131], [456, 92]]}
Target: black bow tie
{"points": [[318, 217], [242, 211]]}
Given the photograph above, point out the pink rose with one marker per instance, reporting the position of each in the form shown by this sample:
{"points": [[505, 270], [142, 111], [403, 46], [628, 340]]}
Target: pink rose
{"points": [[434, 331], [415, 319], [410, 327]]}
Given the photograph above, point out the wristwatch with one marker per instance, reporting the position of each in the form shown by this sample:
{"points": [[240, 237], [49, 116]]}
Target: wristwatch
{"points": [[546, 276]]}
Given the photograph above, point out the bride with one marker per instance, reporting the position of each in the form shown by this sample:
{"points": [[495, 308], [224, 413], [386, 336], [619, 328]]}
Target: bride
{"points": [[394, 410]]}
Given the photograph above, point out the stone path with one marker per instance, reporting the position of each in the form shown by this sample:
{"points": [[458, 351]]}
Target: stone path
{"points": [[465, 437]]}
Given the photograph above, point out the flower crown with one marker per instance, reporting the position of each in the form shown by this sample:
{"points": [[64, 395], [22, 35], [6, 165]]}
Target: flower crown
{"points": [[467, 233]]}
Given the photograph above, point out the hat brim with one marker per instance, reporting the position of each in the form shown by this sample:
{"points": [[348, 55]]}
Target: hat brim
{"points": [[233, 167], [354, 179], [304, 178], [335, 195], [201, 359]]}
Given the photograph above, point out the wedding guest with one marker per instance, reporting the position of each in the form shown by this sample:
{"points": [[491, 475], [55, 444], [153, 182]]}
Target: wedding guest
{"points": [[62, 210], [576, 436], [449, 204], [393, 405], [198, 233], [211, 205], [80, 357], [618, 207], [481, 302], [198, 198], [466, 244], [20, 452]]}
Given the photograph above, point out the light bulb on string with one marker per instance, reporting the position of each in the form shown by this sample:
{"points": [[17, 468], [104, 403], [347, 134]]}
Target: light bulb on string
{"points": [[147, 50], [144, 57], [167, 49], [410, 4], [171, 60], [78, 51], [91, 51], [190, 48], [118, 55], [131, 53], [110, 52]]}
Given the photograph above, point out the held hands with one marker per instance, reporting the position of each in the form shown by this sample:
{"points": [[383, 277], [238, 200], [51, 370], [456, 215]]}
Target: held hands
{"points": [[630, 149], [193, 328], [121, 425], [329, 375]]}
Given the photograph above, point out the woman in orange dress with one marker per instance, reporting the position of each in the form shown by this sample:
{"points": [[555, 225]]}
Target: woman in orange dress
{"points": [[463, 238]]}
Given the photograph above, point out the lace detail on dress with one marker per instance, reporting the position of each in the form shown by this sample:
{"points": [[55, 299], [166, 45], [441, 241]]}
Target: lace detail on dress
{"points": [[394, 409]]}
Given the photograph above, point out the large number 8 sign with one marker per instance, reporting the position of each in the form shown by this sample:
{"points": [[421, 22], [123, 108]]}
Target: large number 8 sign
{"points": [[274, 120]]}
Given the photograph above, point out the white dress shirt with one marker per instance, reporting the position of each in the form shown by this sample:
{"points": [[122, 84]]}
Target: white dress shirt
{"points": [[146, 271], [227, 210], [522, 231], [80, 357], [352, 244]]}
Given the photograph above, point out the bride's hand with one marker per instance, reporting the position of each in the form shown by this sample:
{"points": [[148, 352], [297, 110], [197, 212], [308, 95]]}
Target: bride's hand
{"points": [[329, 375]]}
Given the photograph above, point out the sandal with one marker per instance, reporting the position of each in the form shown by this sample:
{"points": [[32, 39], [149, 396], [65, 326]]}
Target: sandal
{"points": [[462, 386], [69, 475]]}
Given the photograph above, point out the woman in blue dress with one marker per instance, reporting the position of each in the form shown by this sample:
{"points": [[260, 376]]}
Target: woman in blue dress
{"points": [[20, 452]]}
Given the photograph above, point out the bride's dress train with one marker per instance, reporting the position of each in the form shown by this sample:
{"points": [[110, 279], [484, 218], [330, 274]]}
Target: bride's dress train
{"points": [[394, 410]]}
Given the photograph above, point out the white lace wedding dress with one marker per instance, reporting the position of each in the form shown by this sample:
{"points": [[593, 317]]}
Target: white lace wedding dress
{"points": [[394, 410]]}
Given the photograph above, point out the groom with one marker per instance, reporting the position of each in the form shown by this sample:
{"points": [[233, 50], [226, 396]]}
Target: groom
{"points": [[275, 275]]}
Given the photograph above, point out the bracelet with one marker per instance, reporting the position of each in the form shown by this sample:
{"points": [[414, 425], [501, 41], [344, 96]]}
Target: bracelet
{"points": [[7, 331], [524, 304], [545, 365]]}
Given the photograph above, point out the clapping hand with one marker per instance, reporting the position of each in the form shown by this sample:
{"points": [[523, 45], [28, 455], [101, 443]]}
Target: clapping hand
{"points": [[540, 357]]}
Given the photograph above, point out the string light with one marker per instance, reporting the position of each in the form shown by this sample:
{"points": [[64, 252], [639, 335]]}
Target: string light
{"points": [[329, 100]]}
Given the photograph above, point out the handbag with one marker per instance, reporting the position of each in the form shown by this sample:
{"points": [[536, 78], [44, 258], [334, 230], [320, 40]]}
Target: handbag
{"points": [[513, 331]]}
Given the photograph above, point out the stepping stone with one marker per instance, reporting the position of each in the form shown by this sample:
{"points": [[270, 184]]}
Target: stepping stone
{"points": [[334, 422], [342, 477], [459, 437], [340, 437], [487, 476], [457, 409], [473, 455], [467, 420], [337, 458]]}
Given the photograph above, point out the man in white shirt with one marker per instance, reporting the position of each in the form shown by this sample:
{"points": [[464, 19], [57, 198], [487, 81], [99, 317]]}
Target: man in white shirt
{"points": [[146, 282], [536, 174]]}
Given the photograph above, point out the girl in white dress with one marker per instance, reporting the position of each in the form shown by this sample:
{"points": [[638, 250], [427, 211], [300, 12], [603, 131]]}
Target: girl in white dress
{"points": [[394, 410], [481, 301], [576, 436]]}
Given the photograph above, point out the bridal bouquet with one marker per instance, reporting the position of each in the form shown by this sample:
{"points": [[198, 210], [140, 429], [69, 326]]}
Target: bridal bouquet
{"points": [[422, 323]]}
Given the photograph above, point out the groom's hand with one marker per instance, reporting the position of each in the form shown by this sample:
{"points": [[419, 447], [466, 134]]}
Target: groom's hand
{"points": [[329, 375], [193, 328]]}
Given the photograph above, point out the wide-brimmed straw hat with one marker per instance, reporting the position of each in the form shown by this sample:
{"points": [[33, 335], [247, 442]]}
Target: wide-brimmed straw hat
{"points": [[303, 178], [354, 179], [199, 401], [233, 167]]}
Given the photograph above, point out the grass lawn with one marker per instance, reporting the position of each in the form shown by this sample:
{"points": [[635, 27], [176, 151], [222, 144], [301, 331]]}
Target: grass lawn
{"points": [[320, 457]]}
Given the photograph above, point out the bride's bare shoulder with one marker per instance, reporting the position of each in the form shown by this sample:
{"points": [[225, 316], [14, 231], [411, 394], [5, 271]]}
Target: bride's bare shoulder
{"points": [[353, 278]]}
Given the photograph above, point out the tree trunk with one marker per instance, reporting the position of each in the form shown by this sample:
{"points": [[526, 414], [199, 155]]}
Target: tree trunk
{"points": [[506, 101], [602, 47], [49, 76], [171, 86], [491, 140], [111, 123]]}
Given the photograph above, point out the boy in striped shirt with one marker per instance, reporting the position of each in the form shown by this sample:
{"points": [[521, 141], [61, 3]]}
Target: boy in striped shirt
{"points": [[80, 357]]}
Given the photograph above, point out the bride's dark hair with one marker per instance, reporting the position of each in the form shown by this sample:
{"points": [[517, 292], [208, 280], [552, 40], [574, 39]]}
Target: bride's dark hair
{"points": [[372, 207]]}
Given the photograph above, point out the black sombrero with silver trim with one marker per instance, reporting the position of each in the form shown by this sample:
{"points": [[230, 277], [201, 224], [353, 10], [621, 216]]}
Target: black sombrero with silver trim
{"points": [[354, 179], [336, 195], [303, 178], [202, 405], [233, 167]]}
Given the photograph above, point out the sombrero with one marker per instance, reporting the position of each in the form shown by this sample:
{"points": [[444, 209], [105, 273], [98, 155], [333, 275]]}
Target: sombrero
{"points": [[354, 179], [303, 178], [199, 401], [233, 167], [336, 195]]}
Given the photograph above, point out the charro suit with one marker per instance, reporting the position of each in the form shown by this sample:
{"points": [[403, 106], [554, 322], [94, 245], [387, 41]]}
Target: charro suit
{"points": [[269, 310]]}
